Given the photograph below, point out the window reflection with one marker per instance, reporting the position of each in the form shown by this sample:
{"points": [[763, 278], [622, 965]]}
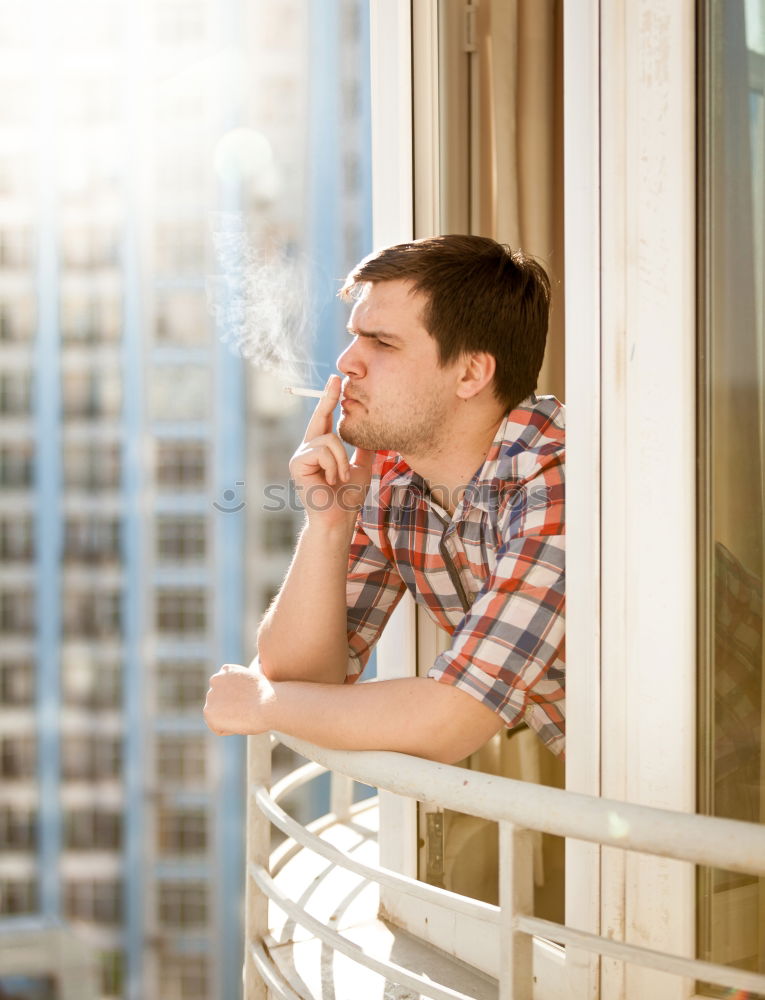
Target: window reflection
{"points": [[732, 464]]}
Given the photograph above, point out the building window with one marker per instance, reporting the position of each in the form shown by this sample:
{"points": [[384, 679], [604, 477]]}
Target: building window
{"points": [[17, 465], [17, 538], [16, 249], [90, 681], [17, 612], [180, 247], [180, 392], [182, 317], [88, 320], [351, 99], [16, 171], [182, 172], [351, 172], [16, 28], [18, 896], [92, 829], [90, 101], [181, 465], [182, 904], [182, 106], [95, 901], [182, 611], [94, 614], [351, 23], [15, 393], [90, 25], [181, 538], [181, 684], [17, 682], [92, 539], [182, 830], [18, 758], [91, 394], [181, 759], [88, 248], [180, 22], [90, 758], [91, 466], [279, 532], [112, 973], [18, 828], [183, 976], [17, 321]]}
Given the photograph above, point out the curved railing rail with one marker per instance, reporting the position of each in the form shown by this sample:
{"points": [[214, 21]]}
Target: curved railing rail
{"points": [[520, 808]]}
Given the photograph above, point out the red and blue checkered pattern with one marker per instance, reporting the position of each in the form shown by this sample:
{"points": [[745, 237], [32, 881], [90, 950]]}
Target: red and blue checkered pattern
{"points": [[492, 575]]}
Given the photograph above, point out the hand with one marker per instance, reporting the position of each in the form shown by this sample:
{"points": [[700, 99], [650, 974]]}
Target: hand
{"points": [[331, 487], [238, 701]]}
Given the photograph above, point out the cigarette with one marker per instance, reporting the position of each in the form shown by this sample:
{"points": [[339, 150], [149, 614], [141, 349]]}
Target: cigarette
{"points": [[298, 391]]}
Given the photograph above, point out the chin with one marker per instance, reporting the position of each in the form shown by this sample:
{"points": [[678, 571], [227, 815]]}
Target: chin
{"points": [[357, 436], [344, 432]]}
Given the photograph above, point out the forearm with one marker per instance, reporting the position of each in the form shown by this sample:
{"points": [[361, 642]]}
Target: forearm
{"points": [[417, 716], [304, 635]]}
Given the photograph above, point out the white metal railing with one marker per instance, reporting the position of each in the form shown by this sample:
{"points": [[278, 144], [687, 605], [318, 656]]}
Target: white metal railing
{"points": [[520, 808]]}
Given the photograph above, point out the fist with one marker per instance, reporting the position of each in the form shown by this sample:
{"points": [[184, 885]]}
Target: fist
{"points": [[238, 701]]}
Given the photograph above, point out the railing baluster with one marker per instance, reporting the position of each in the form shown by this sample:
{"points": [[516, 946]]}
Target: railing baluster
{"points": [[258, 851], [340, 795], [516, 897]]}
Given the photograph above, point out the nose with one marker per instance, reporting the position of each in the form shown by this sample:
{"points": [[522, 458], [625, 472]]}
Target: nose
{"points": [[350, 362]]}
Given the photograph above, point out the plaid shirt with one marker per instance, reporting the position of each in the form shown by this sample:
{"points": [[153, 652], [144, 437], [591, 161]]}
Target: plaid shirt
{"points": [[492, 575]]}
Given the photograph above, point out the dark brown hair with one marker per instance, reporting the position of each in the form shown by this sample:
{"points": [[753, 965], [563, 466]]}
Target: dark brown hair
{"points": [[482, 296]]}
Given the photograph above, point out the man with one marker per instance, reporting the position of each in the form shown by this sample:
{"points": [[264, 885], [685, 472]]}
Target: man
{"points": [[455, 492]]}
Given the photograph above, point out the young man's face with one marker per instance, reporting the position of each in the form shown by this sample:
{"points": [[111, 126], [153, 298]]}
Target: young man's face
{"points": [[395, 395]]}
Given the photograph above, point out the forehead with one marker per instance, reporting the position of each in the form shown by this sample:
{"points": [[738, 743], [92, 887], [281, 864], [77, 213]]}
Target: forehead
{"points": [[389, 305]]}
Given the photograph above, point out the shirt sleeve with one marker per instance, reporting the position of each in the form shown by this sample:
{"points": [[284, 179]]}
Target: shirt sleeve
{"points": [[508, 650], [373, 590]]}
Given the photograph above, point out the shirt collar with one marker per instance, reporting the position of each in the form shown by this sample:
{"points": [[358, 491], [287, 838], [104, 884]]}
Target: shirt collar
{"points": [[514, 434]]}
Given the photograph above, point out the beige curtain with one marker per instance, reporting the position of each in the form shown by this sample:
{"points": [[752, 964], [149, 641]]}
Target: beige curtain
{"points": [[518, 148]]}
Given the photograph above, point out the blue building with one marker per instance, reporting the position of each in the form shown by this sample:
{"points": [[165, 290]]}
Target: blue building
{"points": [[136, 556]]}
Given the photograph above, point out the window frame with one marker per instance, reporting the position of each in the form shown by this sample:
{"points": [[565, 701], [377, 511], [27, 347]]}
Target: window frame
{"points": [[630, 263]]}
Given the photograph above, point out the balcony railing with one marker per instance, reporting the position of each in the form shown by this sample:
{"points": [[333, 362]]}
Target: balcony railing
{"points": [[520, 808]]}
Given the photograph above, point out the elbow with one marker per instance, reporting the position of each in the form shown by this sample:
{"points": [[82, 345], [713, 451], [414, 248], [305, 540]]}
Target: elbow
{"points": [[463, 727], [448, 754], [263, 660], [445, 749], [265, 664]]}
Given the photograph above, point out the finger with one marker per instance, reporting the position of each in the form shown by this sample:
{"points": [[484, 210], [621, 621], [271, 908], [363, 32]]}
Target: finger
{"points": [[321, 420], [335, 445], [326, 454], [327, 460]]}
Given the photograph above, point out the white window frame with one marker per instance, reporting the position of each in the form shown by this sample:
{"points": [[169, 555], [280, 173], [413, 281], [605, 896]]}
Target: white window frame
{"points": [[630, 325], [648, 479]]}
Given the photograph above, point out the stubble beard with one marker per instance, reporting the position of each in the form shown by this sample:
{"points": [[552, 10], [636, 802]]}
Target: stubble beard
{"points": [[420, 433]]}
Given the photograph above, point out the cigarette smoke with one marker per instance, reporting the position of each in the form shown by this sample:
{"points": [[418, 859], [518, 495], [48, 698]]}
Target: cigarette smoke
{"points": [[261, 301]]}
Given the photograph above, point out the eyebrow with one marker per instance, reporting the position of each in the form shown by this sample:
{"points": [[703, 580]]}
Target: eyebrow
{"points": [[392, 337]]}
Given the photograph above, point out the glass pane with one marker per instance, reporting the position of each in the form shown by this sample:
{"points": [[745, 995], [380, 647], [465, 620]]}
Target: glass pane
{"points": [[500, 175], [732, 464]]}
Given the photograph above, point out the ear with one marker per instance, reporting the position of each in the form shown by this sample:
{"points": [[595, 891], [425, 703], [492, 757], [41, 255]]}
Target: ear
{"points": [[477, 371]]}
